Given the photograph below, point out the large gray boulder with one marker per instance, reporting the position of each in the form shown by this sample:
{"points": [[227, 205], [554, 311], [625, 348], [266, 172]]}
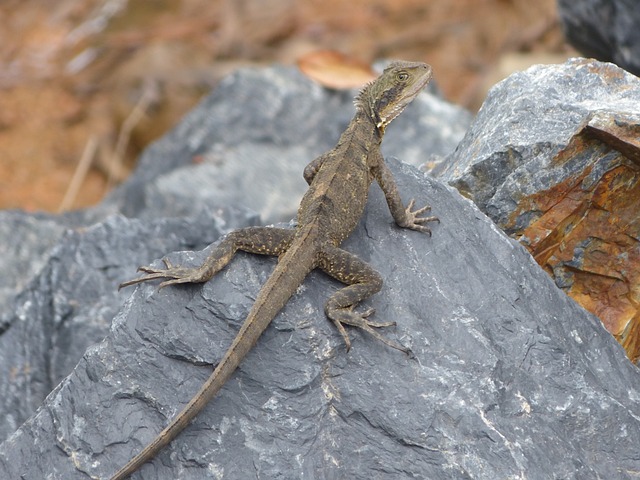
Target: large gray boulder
{"points": [[509, 379]]}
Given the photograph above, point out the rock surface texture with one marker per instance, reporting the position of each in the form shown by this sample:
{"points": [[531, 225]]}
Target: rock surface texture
{"points": [[553, 158], [510, 379]]}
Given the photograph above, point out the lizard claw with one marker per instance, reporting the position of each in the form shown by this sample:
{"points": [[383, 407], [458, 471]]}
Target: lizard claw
{"points": [[175, 275], [348, 316], [414, 221]]}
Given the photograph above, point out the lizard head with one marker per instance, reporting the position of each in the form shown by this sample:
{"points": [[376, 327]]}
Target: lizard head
{"points": [[388, 95]]}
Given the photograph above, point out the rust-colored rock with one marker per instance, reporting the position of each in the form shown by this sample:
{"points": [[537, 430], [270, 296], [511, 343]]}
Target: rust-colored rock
{"points": [[588, 233], [553, 157]]}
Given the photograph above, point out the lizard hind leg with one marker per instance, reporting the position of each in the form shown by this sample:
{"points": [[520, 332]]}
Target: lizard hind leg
{"points": [[260, 240], [362, 281]]}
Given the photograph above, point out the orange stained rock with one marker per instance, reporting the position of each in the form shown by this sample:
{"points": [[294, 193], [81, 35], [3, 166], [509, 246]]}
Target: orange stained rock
{"points": [[586, 233]]}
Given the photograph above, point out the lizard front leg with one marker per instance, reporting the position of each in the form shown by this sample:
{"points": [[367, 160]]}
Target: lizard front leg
{"points": [[260, 240], [363, 281], [404, 217], [312, 168]]}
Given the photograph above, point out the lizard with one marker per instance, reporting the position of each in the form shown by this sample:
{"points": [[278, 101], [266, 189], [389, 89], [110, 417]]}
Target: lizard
{"points": [[329, 211]]}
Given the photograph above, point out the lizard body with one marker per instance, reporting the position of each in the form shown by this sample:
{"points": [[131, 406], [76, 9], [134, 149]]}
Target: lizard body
{"points": [[339, 182]]}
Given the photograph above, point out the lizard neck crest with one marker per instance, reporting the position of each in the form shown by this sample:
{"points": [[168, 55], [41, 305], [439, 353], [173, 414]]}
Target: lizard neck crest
{"points": [[383, 99]]}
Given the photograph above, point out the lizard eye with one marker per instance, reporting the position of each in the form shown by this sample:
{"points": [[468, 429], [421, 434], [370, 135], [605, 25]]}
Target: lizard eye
{"points": [[402, 76]]}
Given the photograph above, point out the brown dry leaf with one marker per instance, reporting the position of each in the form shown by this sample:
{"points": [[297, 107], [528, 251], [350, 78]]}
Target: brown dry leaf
{"points": [[335, 70]]}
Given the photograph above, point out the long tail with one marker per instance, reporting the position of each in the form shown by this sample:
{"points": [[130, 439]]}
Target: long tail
{"points": [[288, 275]]}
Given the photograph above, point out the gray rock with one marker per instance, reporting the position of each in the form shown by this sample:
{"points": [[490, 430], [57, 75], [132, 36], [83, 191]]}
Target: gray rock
{"points": [[604, 29], [26, 241], [510, 150], [70, 303], [511, 379]]}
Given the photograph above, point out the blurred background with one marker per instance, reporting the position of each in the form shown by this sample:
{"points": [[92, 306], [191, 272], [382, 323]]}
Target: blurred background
{"points": [[85, 85]]}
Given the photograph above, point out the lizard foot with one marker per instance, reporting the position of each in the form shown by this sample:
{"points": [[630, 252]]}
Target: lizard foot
{"points": [[174, 273], [414, 221], [348, 316]]}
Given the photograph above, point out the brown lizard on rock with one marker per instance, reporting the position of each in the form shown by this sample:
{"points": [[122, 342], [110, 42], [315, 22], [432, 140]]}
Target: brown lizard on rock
{"points": [[339, 182]]}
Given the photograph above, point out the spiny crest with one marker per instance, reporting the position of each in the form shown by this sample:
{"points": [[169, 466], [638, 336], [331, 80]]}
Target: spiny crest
{"points": [[386, 97]]}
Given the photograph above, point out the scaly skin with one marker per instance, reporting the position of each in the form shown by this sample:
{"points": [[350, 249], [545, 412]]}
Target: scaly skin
{"points": [[339, 183]]}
